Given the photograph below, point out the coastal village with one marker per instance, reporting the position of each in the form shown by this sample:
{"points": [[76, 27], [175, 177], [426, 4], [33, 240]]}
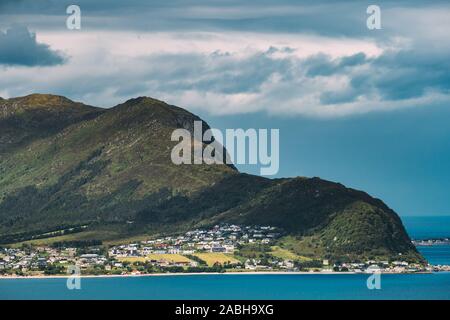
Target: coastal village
{"points": [[218, 249]]}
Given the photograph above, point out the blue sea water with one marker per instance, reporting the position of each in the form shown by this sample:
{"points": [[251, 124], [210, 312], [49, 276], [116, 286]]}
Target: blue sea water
{"points": [[260, 286], [433, 227], [430, 227], [338, 286], [436, 255]]}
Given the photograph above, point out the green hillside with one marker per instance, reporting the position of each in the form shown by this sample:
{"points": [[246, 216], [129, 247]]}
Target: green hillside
{"points": [[107, 174]]}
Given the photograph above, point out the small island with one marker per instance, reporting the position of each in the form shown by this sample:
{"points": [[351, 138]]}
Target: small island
{"points": [[431, 242]]}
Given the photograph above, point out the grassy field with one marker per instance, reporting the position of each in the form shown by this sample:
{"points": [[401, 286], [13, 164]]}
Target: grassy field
{"points": [[132, 259], [286, 254], [109, 236], [168, 257], [80, 236], [216, 257], [308, 246]]}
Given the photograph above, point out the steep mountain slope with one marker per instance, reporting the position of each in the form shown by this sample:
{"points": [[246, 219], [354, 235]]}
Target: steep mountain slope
{"points": [[66, 165], [23, 120], [104, 168]]}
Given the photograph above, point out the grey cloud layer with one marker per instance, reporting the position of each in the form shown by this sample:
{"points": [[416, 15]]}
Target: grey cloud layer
{"points": [[18, 46], [325, 17], [394, 75], [272, 79], [262, 81], [217, 72]]}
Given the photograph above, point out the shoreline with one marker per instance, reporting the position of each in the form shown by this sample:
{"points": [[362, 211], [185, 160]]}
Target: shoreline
{"points": [[208, 273]]}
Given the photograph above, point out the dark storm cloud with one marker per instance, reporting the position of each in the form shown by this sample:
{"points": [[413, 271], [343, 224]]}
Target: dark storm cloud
{"points": [[409, 74], [18, 46], [396, 75], [331, 18], [322, 65], [391, 76], [218, 72]]}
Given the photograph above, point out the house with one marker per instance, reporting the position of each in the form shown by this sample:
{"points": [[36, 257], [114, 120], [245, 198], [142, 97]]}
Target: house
{"points": [[218, 249], [42, 262], [229, 248], [400, 263], [146, 250], [288, 264], [174, 251], [133, 252], [89, 256], [251, 264], [250, 267], [373, 269]]}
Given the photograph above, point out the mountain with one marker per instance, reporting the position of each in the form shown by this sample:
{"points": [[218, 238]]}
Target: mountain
{"points": [[106, 174], [37, 116]]}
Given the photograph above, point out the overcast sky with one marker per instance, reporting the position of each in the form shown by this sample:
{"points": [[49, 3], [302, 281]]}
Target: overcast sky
{"points": [[368, 108]]}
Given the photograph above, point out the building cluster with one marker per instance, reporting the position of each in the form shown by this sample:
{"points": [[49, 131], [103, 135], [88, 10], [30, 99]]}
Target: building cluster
{"points": [[220, 238], [185, 251], [22, 261], [270, 264], [371, 266], [432, 242]]}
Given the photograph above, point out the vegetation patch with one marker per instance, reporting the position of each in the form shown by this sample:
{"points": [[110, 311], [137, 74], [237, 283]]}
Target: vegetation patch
{"points": [[175, 258], [213, 258], [286, 254]]}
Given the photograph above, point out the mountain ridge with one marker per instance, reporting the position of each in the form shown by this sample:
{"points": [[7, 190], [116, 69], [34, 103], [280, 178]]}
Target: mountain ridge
{"points": [[38, 116], [103, 168]]}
